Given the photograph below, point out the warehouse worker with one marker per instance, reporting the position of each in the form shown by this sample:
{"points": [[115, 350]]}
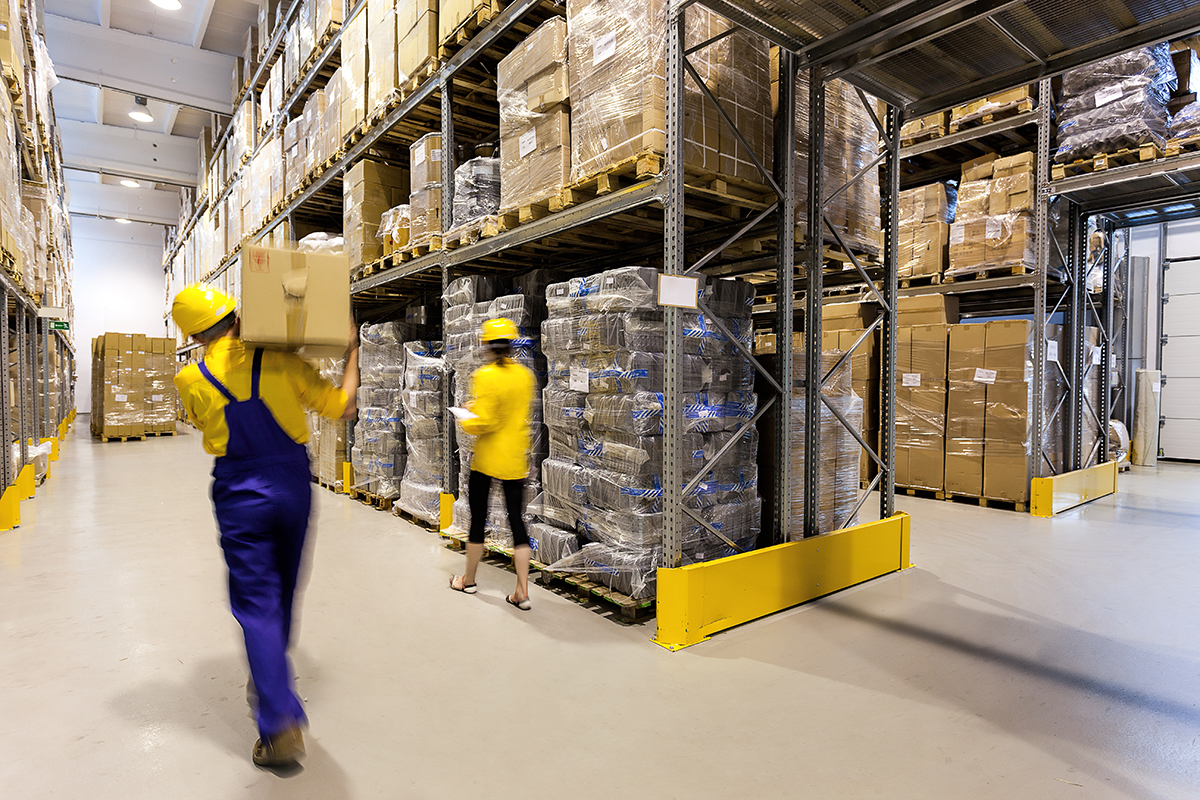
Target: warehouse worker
{"points": [[249, 404], [499, 415]]}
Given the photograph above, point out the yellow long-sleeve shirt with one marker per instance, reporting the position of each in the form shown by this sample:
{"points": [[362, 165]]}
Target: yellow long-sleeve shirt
{"points": [[503, 393], [287, 386]]}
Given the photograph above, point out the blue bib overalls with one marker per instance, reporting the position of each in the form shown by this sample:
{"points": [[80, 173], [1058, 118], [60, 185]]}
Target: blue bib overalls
{"points": [[262, 494]]}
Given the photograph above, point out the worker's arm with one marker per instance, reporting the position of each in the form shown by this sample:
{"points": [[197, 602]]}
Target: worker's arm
{"points": [[187, 398], [485, 407], [350, 380]]}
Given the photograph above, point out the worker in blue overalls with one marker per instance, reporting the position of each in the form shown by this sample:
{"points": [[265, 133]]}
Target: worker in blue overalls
{"points": [[249, 404]]}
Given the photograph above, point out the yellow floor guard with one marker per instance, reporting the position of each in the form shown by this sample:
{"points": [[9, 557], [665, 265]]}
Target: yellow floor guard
{"points": [[699, 600], [1056, 494]]}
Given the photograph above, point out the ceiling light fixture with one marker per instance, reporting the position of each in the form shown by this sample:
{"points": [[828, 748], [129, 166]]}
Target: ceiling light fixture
{"points": [[141, 110], [132, 184], [169, 5], [123, 221]]}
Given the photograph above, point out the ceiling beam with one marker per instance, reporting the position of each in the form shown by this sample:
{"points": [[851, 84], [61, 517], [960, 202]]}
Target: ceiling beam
{"points": [[105, 13], [140, 154], [139, 64], [202, 23], [146, 205]]}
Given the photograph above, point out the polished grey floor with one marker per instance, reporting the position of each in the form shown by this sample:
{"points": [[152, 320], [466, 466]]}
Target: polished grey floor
{"points": [[1020, 658]]}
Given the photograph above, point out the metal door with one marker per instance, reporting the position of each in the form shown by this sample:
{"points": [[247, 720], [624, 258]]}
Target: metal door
{"points": [[1180, 358]]}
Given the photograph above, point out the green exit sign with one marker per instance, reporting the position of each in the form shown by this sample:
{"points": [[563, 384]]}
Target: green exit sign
{"points": [[59, 325]]}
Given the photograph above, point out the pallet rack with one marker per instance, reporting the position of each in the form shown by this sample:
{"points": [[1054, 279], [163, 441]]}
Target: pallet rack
{"points": [[917, 58]]}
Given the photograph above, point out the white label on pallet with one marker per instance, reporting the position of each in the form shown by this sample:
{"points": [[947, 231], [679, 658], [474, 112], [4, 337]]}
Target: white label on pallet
{"points": [[993, 228], [528, 142], [435, 154], [1156, 387], [604, 48], [1097, 355], [419, 156], [1107, 95], [579, 379], [958, 234], [120, 398], [156, 398], [985, 375], [912, 379], [1051, 350]]}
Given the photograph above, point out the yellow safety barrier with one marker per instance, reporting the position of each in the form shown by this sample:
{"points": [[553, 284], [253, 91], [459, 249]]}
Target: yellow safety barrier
{"points": [[347, 476], [699, 600], [25, 482], [446, 515], [1058, 493], [10, 508], [53, 447]]}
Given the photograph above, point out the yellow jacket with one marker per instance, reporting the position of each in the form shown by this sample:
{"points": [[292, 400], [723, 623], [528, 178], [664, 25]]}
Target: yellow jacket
{"points": [[503, 393], [288, 385]]}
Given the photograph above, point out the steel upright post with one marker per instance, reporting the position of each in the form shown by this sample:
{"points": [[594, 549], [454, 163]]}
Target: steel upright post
{"points": [[22, 390], [673, 264], [1076, 259], [890, 219], [6, 432], [785, 178], [47, 425], [1041, 252], [449, 442], [812, 317]]}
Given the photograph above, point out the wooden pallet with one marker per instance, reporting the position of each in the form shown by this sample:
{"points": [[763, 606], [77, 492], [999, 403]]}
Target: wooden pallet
{"points": [[982, 502], [373, 500], [484, 12], [573, 584], [644, 165], [531, 211], [461, 237], [1102, 161], [1184, 144], [928, 134], [411, 251], [989, 272], [140, 438], [920, 280], [1007, 111], [325, 485], [161, 433], [420, 522]]}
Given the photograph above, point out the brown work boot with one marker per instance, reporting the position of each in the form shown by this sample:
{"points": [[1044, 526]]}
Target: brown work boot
{"points": [[281, 749]]}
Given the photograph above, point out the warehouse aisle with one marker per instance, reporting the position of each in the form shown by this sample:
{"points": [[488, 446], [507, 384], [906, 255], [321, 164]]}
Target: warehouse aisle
{"points": [[1020, 658]]}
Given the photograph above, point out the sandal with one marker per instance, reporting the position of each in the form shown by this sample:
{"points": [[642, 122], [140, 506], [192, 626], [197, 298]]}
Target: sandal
{"points": [[466, 588], [524, 605]]}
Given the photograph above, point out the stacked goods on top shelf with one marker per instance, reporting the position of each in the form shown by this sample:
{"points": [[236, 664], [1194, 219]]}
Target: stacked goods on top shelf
{"points": [[993, 223], [603, 404], [851, 143], [1116, 104], [616, 69], [378, 455], [932, 126], [1187, 74], [535, 120], [369, 190], [996, 106], [425, 199], [924, 238], [132, 385], [401, 39], [424, 411]]}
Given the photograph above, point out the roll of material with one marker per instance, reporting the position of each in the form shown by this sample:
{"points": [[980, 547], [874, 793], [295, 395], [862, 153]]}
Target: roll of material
{"points": [[1144, 447], [1118, 442]]}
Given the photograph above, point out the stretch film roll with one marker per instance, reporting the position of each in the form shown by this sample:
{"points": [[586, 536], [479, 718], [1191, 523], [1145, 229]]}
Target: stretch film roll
{"points": [[1145, 418]]}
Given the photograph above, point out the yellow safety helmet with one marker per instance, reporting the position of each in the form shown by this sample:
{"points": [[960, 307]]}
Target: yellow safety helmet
{"points": [[200, 306], [499, 330]]}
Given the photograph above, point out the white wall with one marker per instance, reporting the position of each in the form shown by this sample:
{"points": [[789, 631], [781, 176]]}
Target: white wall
{"points": [[119, 286]]}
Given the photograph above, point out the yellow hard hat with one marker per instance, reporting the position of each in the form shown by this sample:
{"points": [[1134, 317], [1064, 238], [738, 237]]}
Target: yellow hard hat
{"points": [[200, 306], [499, 329]]}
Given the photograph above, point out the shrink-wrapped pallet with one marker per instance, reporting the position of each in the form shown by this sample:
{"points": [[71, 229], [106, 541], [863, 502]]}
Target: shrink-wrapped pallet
{"points": [[424, 373], [379, 451]]}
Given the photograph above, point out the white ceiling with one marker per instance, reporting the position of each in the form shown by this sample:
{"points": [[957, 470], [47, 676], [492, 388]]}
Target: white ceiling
{"points": [[202, 28]]}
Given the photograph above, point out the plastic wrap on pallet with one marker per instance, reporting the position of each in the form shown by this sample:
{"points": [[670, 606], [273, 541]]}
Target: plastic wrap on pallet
{"points": [[549, 544], [851, 143], [1117, 103], [476, 192], [1186, 122], [471, 289]]}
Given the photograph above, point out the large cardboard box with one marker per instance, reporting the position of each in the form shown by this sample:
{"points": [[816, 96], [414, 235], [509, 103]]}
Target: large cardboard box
{"points": [[416, 37], [369, 189], [847, 316], [353, 71], [381, 53], [965, 406], [295, 301], [535, 161], [1008, 368], [921, 406], [425, 161], [930, 309]]}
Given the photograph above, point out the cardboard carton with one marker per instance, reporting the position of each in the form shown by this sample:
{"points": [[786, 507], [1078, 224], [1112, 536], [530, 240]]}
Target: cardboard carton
{"points": [[295, 301], [931, 309]]}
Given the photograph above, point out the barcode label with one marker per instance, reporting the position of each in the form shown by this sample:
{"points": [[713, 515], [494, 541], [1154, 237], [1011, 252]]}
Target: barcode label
{"points": [[604, 48], [985, 375], [911, 379], [527, 143]]}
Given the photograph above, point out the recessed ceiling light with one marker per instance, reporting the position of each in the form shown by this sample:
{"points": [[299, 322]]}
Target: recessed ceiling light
{"points": [[169, 5], [123, 221], [132, 184], [140, 110]]}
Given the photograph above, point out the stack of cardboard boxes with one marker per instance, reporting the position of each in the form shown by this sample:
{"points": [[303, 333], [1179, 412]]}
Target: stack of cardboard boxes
{"points": [[841, 326], [425, 199], [993, 226], [535, 118], [132, 390], [925, 216], [369, 189]]}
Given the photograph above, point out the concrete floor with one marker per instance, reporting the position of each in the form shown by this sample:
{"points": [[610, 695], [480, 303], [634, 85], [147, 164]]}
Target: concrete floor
{"points": [[1020, 658]]}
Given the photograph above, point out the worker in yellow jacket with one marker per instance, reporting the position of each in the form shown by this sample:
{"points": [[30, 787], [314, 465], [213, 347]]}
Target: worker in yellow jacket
{"points": [[499, 415], [249, 404]]}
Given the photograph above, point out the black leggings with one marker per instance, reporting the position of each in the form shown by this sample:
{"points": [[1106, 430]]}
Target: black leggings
{"points": [[479, 486]]}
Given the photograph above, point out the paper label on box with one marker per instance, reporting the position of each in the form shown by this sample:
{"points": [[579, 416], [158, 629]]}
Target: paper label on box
{"points": [[435, 155], [912, 379], [1051, 350], [527, 143], [1155, 387], [993, 229], [419, 156], [1097, 355], [985, 375], [604, 48], [579, 379], [1107, 95], [156, 398], [679, 291], [958, 234], [120, 398]]}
